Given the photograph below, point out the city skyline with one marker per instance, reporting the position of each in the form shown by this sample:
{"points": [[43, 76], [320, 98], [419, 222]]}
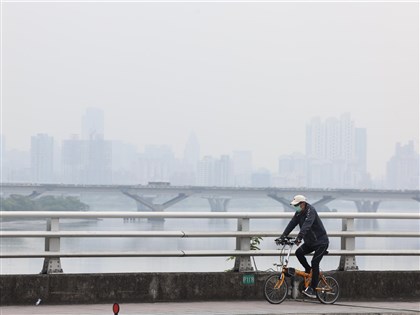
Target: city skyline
{"points": [[83, 135], [335, 156], [269, 162]]}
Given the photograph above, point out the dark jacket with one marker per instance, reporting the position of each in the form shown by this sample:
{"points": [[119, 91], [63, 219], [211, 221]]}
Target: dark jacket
{"points": [[312, 230]]}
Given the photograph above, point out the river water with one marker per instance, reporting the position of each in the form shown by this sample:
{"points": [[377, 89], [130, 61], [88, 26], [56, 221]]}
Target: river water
{"points": [[201, 264]]}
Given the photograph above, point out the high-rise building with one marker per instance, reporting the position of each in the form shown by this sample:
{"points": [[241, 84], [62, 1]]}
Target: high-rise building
{"points": [[261, 178], [335, 139], [72, 163], [403, 168], [96, 151], [206, 171], [224, 172], [15, 164], [98, 159], [292, 170], [336, 151], [124, 160], [93, 124], [215, 172], [332, 140], [86, 161], [155, 164], [17, 168], [42, 158], [192, 151], [186, 170], [360, 149], [242, 168]]}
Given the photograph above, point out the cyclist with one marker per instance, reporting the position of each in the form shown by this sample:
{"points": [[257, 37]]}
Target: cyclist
{"points": [[315, 238]]}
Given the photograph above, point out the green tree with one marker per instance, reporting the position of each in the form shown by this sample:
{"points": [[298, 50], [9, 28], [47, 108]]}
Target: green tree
{"points": [[45, 203], [16, 203]]}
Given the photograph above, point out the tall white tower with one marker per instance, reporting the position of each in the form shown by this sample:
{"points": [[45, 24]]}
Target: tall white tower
{"points": [[42, 158], [192, 151], [242, 168], [93, 124], [336, 151]]}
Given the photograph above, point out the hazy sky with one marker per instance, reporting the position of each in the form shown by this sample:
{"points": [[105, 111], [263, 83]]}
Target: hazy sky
{"points": [[241, 75]]}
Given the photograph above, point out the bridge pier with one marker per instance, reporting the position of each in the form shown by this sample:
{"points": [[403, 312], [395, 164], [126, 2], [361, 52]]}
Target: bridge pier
{"points": [[364, 206], [146, 203], [286, 203], [367, 205], [52, 244], [320, 205], [218, 204], [141, 207]]}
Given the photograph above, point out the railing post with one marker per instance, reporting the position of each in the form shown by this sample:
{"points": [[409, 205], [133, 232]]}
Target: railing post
{"points": [[348, 243], [52, 244], [243, 263]]}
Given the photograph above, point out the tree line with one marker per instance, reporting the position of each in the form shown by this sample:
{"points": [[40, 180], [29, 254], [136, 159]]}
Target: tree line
{"points": [[45, 203]]}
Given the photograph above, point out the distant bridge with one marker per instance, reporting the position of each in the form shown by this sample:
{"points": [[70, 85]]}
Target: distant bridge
{"points": [[366, 200]]}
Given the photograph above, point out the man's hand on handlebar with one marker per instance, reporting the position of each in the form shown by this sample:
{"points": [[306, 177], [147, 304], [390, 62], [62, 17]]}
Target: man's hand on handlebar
{"points": [[280, 240], [284, 240]]}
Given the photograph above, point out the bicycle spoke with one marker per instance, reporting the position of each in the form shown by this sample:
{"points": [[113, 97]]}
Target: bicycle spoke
{"points": [[328, 290], [275, 289]]}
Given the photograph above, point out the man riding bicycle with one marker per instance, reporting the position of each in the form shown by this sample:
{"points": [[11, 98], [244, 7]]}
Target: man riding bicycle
{"points": [[315, 238]]}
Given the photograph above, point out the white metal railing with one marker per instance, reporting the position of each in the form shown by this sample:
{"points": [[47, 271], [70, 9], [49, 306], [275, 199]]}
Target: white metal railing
{"points": [[52, 235]]}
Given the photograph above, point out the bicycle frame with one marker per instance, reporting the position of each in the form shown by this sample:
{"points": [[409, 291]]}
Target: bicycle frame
{"points": [[284, 262]]}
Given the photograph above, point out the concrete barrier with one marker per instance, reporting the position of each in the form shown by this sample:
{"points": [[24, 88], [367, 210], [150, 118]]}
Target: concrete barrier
{"points": [[165, 287]]}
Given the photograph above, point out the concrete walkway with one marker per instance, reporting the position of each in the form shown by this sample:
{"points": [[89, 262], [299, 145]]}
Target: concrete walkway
{"points": [[221, 308]]}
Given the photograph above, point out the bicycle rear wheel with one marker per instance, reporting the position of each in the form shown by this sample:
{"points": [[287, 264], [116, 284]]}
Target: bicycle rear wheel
{"points": [[275, 288], [328, 290]]}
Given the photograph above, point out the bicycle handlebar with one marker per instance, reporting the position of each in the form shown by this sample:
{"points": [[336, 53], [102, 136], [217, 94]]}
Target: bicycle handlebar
{"points": [[287, 240]]}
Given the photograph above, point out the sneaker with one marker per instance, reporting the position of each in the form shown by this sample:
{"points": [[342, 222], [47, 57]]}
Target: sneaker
{"points": [[310, 292]]}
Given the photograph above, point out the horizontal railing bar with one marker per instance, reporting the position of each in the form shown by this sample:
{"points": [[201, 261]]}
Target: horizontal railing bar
{"points": [[200, 253], [202, 215], [56, 233], [185, 234]]}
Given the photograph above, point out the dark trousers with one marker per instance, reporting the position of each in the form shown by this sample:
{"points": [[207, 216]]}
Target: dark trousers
{"points": [[316, 259]]}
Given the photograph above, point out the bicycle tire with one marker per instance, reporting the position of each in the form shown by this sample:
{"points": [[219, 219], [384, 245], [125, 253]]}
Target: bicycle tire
{"points": [[328, 290], [273, 292]]}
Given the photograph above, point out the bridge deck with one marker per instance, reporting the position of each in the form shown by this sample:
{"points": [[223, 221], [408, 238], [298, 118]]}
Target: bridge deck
{"points": [[222, 308]]}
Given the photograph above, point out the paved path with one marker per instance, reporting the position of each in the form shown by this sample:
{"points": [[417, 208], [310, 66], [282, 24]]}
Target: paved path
{"points": [[221, 308]]}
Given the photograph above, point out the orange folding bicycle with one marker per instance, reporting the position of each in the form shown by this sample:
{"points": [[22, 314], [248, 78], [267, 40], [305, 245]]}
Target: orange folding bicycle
{"points": [[276, 287]]}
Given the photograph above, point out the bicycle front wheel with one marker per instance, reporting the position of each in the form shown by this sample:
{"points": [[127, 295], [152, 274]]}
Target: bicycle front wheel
{"points": [[275, 288], [328, 290]]}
